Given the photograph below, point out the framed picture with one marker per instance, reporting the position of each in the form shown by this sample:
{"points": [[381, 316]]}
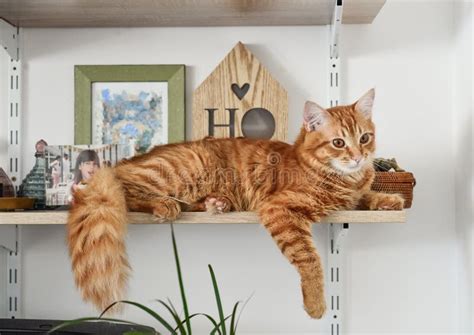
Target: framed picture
{"points": [[68, 167], [136, 105]]}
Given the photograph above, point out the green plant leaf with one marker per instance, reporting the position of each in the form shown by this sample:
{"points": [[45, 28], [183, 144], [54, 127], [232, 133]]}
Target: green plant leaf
{"points": [[172, 306], [233, 326], [242, 309], [155, 315], [218, 300], [180, 279], [175, 317], [219, 325], [86, 319], [210, 318], [219, 328]]}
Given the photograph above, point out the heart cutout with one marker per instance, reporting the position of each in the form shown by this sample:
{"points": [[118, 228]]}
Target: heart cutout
{"points": [[240, 92]]}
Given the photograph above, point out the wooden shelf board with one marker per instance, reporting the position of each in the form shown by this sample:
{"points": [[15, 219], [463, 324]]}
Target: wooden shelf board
{"points": [[167, 13], [60, 217]]}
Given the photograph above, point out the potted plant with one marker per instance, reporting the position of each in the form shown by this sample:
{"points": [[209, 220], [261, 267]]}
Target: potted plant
{"points": [[221, 325]]}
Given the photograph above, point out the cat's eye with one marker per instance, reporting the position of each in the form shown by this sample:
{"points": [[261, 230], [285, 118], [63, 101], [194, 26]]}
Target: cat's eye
{"points": [[338, 142], [364, 138]]}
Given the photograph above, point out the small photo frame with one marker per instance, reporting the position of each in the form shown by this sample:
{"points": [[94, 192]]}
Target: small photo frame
{"points": [[68, 167], [138, 105]]}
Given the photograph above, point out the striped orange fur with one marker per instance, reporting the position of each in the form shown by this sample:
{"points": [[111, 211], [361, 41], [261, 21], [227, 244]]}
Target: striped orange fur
{"points": [[328, 168]]}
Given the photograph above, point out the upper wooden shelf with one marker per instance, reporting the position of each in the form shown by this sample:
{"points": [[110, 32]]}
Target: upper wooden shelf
{"points": [[60, 217], [169, 13]]}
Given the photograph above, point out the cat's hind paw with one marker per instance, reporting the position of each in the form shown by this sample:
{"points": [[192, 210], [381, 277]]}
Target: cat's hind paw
{"points": [[165, 210], [217, 204]]}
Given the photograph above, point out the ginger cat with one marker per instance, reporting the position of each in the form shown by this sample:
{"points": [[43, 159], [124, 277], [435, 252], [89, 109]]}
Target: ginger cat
{"points": [[328, 168]]}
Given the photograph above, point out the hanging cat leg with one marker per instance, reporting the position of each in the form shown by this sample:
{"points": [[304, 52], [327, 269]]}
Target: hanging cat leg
{"points": [[165, 209], [292, 233]]}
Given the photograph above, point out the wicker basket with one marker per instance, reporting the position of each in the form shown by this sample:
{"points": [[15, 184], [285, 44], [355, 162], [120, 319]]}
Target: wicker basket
{"points": [[395, 182]]}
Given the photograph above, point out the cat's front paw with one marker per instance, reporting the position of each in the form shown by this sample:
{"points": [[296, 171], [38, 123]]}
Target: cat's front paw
{"points": [[317, 310], [385, 201], [217, 204], [313, 298]]}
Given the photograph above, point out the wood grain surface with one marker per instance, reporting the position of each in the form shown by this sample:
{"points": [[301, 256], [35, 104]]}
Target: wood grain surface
{"points": [[239, 67], [165, 13], [60, 217]]}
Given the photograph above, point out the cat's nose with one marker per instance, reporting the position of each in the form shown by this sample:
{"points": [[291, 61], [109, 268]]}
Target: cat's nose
{"points": [[357, 159]]}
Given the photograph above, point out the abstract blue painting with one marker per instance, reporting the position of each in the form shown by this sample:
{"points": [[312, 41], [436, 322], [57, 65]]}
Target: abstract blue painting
{"points": [[130, 113]]}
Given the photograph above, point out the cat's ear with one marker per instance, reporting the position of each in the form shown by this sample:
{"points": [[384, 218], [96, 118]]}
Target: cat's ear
{"points": [[365, 103], [314, 116]]}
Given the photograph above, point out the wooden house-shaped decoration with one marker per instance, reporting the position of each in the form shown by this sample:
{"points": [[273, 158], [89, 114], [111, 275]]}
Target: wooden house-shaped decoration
{"points": [[240, 98]]}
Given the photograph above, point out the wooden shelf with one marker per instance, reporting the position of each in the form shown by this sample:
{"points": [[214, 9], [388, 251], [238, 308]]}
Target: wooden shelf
{"points": [[60, 217], [167, 13]]}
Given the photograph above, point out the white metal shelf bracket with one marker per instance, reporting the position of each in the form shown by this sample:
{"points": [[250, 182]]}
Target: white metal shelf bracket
{"points": [[9, 235], [9, 240], [14, 283], [336, 232], [335, 28], [9, 39]]}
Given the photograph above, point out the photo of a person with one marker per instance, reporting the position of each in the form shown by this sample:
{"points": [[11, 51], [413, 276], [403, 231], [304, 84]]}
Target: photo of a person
{"points": [[71, 166], [87, 163], [55, 167], [66, 164]]}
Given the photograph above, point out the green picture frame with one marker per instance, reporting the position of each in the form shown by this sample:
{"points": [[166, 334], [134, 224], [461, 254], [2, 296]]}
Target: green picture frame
{"points": [[86, 75]]}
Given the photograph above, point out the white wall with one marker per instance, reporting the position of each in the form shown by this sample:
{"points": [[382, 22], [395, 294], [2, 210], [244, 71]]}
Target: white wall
{"points": [[463, 145], [403, 278]]}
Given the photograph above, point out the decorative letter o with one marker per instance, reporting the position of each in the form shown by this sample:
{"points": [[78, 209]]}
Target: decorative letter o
{"points": [[258, 123]]}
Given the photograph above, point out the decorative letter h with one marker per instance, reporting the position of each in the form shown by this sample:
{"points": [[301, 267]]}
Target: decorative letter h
{"points": [[231, 124]]}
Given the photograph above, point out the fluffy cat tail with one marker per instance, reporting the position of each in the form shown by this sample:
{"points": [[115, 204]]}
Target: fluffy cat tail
{"points": [[96, 232]]}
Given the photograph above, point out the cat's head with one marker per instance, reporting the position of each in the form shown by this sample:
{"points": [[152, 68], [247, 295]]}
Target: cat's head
{"points": [[340, 138]]}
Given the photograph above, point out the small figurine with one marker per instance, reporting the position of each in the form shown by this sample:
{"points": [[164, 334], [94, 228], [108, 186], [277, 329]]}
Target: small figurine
{"points": [[33, 186], [387, 165], [6, 186]]}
